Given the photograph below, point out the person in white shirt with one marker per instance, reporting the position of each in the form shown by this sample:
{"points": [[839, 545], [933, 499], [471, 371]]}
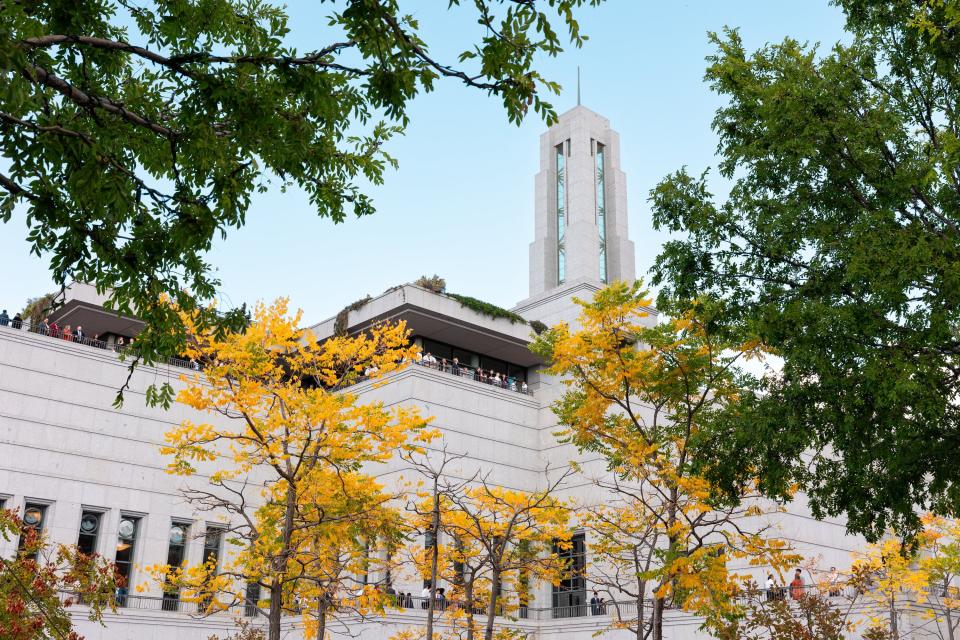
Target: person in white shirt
{"points": [[426, 595], [429, 359]]}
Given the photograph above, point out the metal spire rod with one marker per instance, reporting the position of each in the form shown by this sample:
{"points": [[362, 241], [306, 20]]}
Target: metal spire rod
{"points": [[578, 85]]}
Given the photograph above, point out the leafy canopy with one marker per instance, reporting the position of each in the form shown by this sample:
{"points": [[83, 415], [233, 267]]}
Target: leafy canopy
{"points": [[839, 246], [290, 457], [134, 133], [645, 396], [33, 584]]}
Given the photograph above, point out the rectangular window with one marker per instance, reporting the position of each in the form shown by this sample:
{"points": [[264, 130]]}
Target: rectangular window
{"points": [[34, 517], [176, 554], [212, 543], [561, 214], [570, 595], [89, 532], [251, 600], [437, 349], [212, 547], [601, 212], [126, 547]]}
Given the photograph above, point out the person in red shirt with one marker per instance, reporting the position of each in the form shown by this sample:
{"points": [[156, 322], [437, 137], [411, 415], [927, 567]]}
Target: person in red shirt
{"points": [[796, 587]]}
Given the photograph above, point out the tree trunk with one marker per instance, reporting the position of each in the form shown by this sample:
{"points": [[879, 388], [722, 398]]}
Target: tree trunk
{"points": [[640, 614], [434, 552], [658, 606], [280, 567], [894, 631], [492, 605], [276, 609], [468, 603], [321, 621]]}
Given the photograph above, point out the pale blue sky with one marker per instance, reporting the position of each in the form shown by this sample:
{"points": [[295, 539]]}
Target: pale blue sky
{"points": [[461, 203]]}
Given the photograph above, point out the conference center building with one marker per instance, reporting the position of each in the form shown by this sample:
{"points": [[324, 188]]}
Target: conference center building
{"points": [[90, 473]]}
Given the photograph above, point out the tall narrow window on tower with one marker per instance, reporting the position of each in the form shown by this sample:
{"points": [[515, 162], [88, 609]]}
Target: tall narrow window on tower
{"points": [[601, 213], [561, 213]]}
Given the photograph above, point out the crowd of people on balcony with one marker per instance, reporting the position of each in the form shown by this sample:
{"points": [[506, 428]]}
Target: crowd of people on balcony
{"points": [[49, 327], [488, 376]]}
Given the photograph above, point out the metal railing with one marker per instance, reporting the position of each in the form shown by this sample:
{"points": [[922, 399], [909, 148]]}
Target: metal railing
{"points": [[477, 374], [57, 333], [167, 603], [400, 603]]}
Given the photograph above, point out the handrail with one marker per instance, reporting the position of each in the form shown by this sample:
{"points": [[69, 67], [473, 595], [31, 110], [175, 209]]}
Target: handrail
{"points": [[622, 609], [476, 374], [62, 334]]}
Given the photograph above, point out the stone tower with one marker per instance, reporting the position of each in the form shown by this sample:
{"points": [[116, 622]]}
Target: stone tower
{"points": [[580, 206]]}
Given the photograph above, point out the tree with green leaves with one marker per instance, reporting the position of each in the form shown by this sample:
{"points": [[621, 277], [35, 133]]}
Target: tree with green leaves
{"points": [[839, 246], [134, 133]]}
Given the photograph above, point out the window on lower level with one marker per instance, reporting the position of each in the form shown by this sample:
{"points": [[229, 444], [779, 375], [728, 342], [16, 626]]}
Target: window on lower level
{"points": [[251, 600], [34, 516], [89, 533], [127, 534], [176, 554], [570, 594]]}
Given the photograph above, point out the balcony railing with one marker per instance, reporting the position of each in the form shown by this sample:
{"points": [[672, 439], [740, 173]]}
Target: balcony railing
{"points": [[62, 334], [401, 603], [477, 375], [167, 603]]}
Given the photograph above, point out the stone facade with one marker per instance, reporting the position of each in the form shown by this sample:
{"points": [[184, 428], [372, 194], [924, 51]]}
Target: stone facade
{"points": [[64, 445]]}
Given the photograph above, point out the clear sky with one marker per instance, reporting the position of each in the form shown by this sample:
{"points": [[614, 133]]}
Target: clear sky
{"points": [[461, 203]]}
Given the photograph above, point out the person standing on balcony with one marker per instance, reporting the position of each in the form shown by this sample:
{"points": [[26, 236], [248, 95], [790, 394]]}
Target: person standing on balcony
{"points": [[17, 322], [52, 328], [78, 335], [834, 579], [4, 318], [455, 367], [67, 333], [796, 587]]}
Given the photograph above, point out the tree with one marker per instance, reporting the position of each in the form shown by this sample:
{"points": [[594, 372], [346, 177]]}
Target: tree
{"points": [[940, 559], [426, 509], [134, 133], [813, 617], [38, 585], [900, 576], [643, 397], [837, 245], [498, 541], [290, 461]]}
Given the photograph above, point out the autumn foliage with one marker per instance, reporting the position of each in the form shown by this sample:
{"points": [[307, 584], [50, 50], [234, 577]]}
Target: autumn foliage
{"points": [[39, 584], [641, 395], [290, 462]]}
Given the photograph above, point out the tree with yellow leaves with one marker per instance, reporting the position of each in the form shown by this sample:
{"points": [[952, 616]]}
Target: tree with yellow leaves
{"points": [[918, 575], [491, 544], [941, 562], [643, 396], [288, 460], [512, 536]]}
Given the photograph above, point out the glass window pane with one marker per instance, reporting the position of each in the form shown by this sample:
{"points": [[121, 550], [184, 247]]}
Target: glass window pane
{"points": [[89, 532]]}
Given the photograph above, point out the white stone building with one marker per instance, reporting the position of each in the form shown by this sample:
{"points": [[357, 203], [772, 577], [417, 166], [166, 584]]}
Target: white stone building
{"points": [[92, 473]]}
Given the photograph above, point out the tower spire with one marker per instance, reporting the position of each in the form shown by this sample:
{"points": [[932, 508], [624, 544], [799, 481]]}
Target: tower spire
{"points": [[578, 85]]}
